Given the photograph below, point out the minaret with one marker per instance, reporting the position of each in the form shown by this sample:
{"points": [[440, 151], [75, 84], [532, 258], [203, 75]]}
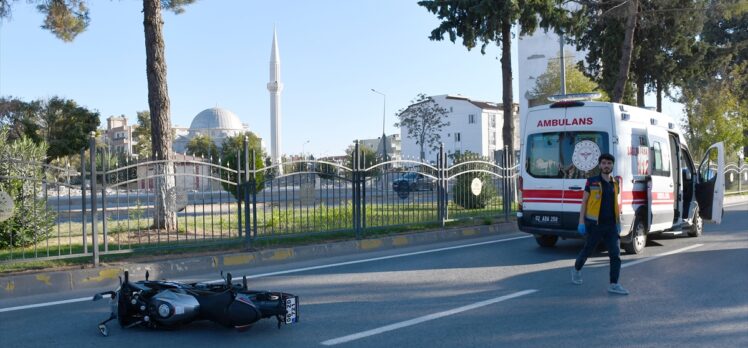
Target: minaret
{"points": [[275, 87]]}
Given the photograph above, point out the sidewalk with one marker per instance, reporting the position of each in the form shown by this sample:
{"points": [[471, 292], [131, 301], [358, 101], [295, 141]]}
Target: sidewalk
{"points": [[46, 282]]}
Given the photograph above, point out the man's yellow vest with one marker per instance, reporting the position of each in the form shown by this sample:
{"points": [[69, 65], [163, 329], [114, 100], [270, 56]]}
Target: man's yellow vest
{"points": [[596, 197]]}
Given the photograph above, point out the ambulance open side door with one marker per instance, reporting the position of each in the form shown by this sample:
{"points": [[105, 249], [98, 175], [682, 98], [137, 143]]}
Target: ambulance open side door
{"points": [[710, 184], [660, 196]]}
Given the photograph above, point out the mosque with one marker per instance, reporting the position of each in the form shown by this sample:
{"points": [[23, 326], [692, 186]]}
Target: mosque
{"points": [[220, 123], [217, 123]]}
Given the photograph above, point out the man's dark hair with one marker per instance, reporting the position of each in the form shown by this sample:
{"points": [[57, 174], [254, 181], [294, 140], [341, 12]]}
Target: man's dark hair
{"points": [[606, 156]]}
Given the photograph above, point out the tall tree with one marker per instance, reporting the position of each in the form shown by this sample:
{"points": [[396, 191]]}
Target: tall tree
{"points": [[549, 83], [726, 34], [627, 48], [667, 46], [423, 119], [61, 123], [599, 28], [714, 113], [487, 21], [650, 43], [68, 18], [19, 118], [713, 84], [66, 127]]}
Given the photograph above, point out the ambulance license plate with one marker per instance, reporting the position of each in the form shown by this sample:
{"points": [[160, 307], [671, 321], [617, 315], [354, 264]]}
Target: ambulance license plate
{"points": [[550, 220]]}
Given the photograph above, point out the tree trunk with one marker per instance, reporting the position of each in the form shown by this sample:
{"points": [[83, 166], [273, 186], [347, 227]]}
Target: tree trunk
{"points": [[421, 154], [626, 51], [658, 85], [640, 88], [158, 102], [507, 133]]}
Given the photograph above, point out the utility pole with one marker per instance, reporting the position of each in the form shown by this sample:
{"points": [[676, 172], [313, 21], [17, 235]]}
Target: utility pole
{"points": [[384, 113]]}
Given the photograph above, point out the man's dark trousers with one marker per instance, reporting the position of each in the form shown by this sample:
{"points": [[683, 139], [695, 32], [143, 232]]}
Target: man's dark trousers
{"points": [[608, 234]]}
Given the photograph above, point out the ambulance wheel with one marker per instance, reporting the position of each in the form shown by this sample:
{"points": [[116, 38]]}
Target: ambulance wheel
{"points": [[697, 225], [546, 241], [638, 238]]}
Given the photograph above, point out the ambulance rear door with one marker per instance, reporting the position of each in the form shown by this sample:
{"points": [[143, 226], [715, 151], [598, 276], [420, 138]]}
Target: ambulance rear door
{"points": [[543, 181], [587, 136], [660, 186], [710, 184]]}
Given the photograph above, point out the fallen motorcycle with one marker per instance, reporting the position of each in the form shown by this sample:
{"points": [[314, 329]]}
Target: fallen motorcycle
{"points": [[164, 304]]}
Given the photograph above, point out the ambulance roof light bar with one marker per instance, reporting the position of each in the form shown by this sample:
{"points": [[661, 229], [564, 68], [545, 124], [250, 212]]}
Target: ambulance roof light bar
{"points": [[574, 97]]}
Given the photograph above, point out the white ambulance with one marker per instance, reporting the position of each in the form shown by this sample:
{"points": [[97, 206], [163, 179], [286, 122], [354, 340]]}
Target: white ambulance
{"points": [[662, 189]]}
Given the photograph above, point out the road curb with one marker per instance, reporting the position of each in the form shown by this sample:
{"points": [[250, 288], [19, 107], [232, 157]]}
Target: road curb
{"points": [[16, 286]]}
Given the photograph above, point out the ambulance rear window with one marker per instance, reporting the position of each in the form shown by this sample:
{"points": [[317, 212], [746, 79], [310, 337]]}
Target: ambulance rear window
{"points": [[571, 155]]}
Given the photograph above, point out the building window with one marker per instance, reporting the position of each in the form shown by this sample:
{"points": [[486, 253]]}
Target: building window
{"points": [[471, 118], [457, 137], [493, 120]]}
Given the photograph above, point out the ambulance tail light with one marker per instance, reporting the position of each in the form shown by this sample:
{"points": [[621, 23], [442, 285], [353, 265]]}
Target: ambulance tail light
{"points": [[519, 194], [619, 179]]}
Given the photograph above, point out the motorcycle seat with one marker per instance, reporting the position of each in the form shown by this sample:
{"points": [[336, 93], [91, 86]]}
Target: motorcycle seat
{"points": [[213, 305]]}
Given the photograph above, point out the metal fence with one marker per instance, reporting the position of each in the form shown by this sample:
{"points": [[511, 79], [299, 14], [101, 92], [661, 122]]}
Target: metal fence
{"points": [[736, 178], [102, 208]]}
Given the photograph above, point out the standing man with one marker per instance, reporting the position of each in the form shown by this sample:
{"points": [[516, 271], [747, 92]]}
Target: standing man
{"points": [[599, 218]]}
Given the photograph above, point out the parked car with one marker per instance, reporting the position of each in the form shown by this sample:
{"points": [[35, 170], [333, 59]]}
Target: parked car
{"points": [[413, 182]]}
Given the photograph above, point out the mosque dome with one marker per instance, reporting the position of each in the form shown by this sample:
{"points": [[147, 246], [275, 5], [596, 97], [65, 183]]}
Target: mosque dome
{"points": [[216, 118]]}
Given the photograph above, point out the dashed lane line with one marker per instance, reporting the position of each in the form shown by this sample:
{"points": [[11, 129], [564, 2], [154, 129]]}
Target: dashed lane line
{"points": [[425, 318]]}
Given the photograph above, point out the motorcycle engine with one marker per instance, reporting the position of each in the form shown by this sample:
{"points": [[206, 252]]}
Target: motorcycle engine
{"points": [[170, 308]]}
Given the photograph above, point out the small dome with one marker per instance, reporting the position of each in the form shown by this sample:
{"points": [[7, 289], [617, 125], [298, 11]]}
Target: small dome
{"points": [[216, 118]]}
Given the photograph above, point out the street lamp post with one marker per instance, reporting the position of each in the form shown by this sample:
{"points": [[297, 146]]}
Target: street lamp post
{"points": [[302, 148], [384, 113]]}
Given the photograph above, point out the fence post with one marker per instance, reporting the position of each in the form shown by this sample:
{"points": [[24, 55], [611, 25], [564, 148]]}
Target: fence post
{"points": [[104, 181], [246, 192], [504, 186], [362, 179], [439, 215], [95, 240], [239, 194], [356, 204], [83, 198], [740, 175], [253, 182]]}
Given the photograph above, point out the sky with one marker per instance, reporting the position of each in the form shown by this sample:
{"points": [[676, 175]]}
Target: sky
{"points": [[333, 52]]}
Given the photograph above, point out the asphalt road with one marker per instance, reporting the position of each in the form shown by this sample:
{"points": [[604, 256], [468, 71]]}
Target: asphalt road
{"points": [[494, 292]]}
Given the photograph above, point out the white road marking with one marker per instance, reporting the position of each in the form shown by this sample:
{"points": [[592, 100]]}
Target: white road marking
{"points": [[382, 258], [46, 304], [636, 262], [296, 270], [733, 204], [424, 318]]}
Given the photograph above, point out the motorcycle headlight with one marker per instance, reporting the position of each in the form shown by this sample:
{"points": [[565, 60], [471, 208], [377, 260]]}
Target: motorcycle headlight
{"points": [[164, 310]]}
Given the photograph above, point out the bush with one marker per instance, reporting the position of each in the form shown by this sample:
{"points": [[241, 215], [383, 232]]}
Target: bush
{"points": [[463, 195], [235, 145], [30, 221]]}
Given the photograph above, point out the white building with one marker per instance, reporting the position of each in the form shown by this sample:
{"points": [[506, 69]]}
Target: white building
{"points": [[474, 126], [118, 135], [393, 146]]}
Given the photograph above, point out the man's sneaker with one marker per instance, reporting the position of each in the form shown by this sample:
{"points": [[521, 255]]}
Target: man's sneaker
{"points": [[616, 288], [576, 276]]}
